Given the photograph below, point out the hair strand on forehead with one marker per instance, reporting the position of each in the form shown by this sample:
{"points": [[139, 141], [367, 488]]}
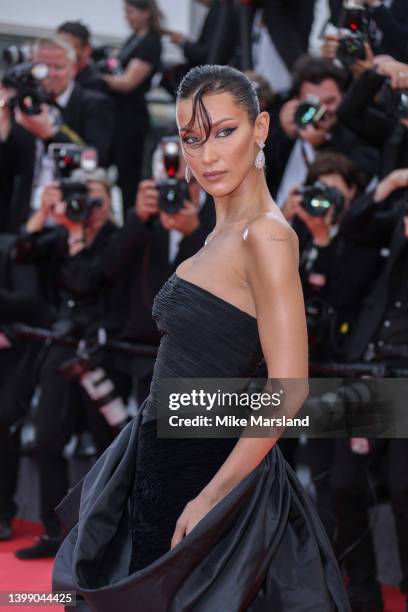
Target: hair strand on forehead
{"points": [[213, 79]]}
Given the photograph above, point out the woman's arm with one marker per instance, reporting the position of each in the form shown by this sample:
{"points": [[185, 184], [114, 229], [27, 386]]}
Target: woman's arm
{"points": [[271, 256], [136, 72]]}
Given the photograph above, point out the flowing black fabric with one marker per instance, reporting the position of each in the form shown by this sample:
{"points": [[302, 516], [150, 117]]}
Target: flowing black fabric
{"points": [[260, 549]]}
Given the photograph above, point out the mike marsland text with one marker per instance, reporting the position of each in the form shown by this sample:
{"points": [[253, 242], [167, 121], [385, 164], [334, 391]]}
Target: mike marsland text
{"points": [[233, 421]]}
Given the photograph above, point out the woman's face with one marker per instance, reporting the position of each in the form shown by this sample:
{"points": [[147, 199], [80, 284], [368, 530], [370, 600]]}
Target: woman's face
{"points": [[222, 163], [137, 18]]}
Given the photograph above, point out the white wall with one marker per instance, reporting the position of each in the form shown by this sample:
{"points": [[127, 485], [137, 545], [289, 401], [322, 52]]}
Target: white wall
{"points": [[104, 17]]}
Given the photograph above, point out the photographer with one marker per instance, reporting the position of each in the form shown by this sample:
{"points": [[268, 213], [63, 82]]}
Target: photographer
{"points": [[174, 223], [391, 22], [336, 274], [82, 277], [71, 115], [78, 36], [374, 109], [19, 300], [309, 125], [379, 220], [139, 59]]}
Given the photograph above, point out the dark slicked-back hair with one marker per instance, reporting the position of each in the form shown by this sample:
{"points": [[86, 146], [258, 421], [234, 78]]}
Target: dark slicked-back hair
{"points": [[315, 70], [214, 79]]}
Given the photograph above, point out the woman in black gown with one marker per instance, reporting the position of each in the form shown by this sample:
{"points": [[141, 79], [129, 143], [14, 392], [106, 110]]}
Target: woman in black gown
{"points": [[210, 525]]}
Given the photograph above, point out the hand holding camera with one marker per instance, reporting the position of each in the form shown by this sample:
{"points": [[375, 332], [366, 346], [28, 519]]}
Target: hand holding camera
{"points": [[5, 115], [147, 200], [308, 119], [148, 204], [185, 221], [40, 124], [397, 72], [318, 206], [398, 179], [292, 204]]}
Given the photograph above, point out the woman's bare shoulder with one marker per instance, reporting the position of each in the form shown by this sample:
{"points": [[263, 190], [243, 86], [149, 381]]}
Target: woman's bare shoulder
{"points": [[269, 226]]}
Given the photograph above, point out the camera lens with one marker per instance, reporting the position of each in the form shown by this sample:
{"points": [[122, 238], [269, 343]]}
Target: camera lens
{"points": [[403, 104]]}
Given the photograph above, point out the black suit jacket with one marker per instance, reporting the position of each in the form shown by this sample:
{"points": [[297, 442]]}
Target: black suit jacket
{"points": [[280, 146], [381, 226], [90, 115], [17, 157], [152, 268], [289, 23], [387, 134]]}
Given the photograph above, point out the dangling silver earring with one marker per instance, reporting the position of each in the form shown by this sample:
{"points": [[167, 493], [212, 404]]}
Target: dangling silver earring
{"points": [[188, 174], [260, 158]]}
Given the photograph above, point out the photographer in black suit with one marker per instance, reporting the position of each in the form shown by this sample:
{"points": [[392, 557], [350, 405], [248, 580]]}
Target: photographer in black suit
{"points": [[337, 272], [165, 240], [370, 109], [79, 37], [73, 115], [380, 219], [81, 263], [295, 147]]}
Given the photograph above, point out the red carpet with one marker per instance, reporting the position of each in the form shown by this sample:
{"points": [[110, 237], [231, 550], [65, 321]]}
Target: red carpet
{"points": [[23, 576]]}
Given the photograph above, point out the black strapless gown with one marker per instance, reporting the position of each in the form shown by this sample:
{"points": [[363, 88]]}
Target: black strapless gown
{"points": [[261, 549]]}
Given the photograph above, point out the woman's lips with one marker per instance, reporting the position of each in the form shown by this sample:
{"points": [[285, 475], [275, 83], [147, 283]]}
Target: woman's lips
{"points": [[213, 176]]}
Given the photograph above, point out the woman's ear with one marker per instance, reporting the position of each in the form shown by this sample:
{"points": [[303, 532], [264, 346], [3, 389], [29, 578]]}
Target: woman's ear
{"points": [[262, 127]]}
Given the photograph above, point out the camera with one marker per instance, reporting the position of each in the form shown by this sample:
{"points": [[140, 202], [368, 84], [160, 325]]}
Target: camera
{"points": [[360, 28], [26, 80], [310, 111], [319, 197], [173, 191], [394, 102], [87, 367], [79, 205], [71, 163], [13, 55], [351, 48], [105, 60]]}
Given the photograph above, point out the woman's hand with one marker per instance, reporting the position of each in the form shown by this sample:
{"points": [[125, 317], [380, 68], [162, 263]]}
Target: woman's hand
{"points": [[193, 512]]}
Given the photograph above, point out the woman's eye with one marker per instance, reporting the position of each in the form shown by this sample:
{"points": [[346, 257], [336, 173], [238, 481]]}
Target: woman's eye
{"points": [[225, 132], [190, 140]]}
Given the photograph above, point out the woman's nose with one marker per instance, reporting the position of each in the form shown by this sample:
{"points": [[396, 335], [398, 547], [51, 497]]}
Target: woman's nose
{"points": [[210, 154]]}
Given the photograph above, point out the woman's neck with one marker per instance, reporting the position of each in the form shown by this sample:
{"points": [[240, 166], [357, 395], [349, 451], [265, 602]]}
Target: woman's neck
{"points": [[142, 31], [251, 198]]}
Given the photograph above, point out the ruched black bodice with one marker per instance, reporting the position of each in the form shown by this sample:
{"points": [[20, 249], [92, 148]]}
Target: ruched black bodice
{"points": [[203, 336]]}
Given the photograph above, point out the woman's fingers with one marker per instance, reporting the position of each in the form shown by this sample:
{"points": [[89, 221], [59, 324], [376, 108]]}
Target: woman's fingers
{"points": [[179, 533]]}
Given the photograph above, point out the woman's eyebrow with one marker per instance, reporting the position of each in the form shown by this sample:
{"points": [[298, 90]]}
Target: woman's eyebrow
{"points": [[185, 128]]}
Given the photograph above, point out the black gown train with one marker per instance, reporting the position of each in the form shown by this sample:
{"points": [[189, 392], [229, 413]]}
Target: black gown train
{"points": [[261, 549]]}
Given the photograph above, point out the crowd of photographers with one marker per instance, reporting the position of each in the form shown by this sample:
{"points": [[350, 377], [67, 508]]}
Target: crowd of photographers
{"points": [[78, 274]]}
